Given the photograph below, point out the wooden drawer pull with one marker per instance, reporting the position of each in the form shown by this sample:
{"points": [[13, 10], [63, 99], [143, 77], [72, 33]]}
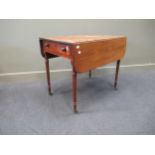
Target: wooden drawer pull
{"points": [[64, 49], [47, 45]]}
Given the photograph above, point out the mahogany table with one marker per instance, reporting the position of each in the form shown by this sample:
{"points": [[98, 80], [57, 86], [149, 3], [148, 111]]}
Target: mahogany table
{"points": [[85, 53]]}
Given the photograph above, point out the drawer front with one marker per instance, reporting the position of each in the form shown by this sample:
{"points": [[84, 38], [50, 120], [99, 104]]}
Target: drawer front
{"points": [[57, 49]]}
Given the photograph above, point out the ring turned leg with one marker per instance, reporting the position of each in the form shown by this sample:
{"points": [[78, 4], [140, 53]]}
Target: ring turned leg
{"points": [[116, 74], [48, 75], [74, 90], [90, 74]]}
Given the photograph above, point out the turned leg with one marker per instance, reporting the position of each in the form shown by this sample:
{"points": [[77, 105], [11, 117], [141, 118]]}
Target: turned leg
{"points": [[48, 75], [116, 73], [74, 90], [90, 74]]}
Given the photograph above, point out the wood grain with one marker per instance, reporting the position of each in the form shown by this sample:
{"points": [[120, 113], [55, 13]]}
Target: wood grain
{"points": [[76, 39], [85, 53], [95, 54]]}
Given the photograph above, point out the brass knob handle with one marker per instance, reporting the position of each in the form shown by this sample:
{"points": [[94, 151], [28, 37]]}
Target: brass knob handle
{"points": [[47, 45], [63, 49], [79, 52]]}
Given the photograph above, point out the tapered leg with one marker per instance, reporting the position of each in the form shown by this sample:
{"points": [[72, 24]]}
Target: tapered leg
{"points": [[116, 73], [74, 90], [90, 74], [48, 75]]}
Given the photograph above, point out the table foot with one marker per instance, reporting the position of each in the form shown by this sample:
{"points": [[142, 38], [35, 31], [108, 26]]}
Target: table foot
{"points": [[115, 86], [90, 74], [75, 110], [50, 93]]}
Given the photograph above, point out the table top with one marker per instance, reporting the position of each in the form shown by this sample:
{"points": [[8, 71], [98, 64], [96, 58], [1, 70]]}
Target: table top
{"points": [[76, 39]]}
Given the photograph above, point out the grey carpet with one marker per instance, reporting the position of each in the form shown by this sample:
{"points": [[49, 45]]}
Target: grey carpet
{"points": [[26, 108]]}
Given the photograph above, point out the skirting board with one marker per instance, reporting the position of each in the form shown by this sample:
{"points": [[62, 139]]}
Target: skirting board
{"points": [[68, 70]]}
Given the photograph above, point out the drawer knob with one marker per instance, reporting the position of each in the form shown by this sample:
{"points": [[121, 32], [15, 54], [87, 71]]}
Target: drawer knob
{"points": [[77, 47], [79, 52], [47, 45], [65, 49]]}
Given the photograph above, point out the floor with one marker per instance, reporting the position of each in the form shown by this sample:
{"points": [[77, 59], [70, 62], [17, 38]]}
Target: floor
{"points": [[26, 107]]}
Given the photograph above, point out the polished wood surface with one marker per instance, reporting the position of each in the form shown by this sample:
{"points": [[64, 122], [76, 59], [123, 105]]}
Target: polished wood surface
{"points": [[85, 53], [77, 39], [91, 55]]}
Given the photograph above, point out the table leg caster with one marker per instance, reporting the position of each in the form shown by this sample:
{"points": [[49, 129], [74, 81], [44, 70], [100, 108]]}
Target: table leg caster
{"points": [[90, 74], [75, 109]]}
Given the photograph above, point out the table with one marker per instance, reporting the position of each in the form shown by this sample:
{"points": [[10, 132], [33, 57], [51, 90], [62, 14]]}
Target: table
{"points": [[85, 53]]}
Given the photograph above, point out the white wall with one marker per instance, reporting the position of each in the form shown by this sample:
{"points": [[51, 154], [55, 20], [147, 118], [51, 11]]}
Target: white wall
{"points": [[19, 46]]}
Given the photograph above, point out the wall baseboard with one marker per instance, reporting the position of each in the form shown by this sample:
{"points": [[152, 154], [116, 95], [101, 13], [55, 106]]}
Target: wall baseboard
{"points": [[68, 70]]}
